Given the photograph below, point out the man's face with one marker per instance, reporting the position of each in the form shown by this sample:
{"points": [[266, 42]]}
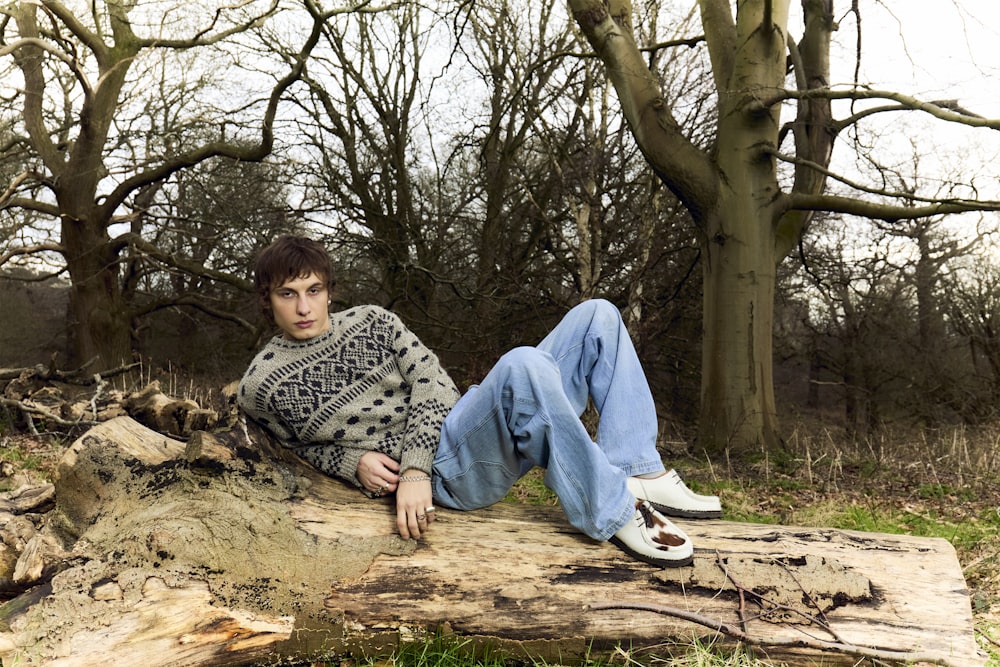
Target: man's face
{"points": [[300, 307]]}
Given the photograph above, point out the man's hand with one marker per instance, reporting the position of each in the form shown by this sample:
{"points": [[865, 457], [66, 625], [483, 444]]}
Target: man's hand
{"points": [[378, 473], [414, 504]]}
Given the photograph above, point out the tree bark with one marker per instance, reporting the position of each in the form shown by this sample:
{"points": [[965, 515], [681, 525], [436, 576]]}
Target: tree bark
{"points": [[99, 323], [738, 409], [733, 195], [227, 550]]}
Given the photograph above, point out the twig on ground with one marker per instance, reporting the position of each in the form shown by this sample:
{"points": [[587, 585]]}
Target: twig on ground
{"points": [[99, 389], [824, 622], [777, 606], [27, 409]]}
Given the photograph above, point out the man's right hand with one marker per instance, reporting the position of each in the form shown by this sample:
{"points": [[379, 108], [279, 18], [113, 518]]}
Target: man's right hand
{"points": [[378, 473]]}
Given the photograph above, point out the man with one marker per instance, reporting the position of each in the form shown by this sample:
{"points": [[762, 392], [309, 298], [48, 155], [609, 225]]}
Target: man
{"points": [[357, 395]]}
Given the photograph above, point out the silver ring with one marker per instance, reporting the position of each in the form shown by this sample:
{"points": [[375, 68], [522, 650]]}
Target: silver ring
{"points": [[421, 517], [430, 509]]}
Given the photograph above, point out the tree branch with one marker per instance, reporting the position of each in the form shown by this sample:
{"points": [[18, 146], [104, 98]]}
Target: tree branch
{"points": [[876, 211], [174, 261], [38, 43], [905, 195], [198, 304], [29, 250], [32, 205], [948, 110], [199, 38], [224, 149], [69, 19]]}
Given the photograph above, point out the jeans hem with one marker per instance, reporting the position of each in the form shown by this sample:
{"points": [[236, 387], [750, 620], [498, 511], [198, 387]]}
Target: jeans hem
{"points": [[619, 523], [643, 468]]}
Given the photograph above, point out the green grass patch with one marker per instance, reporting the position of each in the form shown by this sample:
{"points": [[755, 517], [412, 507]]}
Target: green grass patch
{"points": [[21, 460], [455, 651], [964, 534], [531, 490]]}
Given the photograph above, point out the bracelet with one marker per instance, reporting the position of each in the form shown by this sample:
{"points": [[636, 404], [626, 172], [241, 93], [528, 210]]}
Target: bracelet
{"points": [[414, 478]]}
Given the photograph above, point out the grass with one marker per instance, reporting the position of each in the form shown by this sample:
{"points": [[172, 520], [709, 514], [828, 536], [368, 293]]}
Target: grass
{"points": [[453, 651], [25, 460]]}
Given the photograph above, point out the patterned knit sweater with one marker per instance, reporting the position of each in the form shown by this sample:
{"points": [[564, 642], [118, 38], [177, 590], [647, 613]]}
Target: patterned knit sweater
{"points": [[367, 384]]}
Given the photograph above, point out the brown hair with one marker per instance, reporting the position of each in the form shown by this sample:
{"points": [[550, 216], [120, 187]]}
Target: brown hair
{"points": [[289, 257]]}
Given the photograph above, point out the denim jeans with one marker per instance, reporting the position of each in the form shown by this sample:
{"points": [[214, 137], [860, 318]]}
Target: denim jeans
{"points": [[526, 413]]}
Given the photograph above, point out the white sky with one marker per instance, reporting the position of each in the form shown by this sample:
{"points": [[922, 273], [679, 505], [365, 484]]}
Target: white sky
{"points": [[933, 50], [940, 49]]}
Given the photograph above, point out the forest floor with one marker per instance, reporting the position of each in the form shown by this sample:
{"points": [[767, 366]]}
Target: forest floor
{"points": [[932, 484]]}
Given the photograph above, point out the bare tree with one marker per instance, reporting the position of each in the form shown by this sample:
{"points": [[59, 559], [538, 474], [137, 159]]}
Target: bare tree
{"points": [[749, 216], [973, 307], [93, 150], [859, 317]]}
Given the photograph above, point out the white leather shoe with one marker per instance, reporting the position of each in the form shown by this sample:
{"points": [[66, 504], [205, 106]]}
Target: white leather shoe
{"points": [[654, 539], [670, 495]]}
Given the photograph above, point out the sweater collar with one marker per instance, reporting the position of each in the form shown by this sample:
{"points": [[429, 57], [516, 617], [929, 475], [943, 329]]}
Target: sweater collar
{"points": [[293, 344]]}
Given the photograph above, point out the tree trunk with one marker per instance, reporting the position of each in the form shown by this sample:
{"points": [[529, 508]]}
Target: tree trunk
{"points": [[738, 411], [99, 320], [228, 551], [732, 193]]}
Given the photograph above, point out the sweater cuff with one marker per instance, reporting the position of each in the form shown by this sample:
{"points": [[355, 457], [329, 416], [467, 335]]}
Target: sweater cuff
{"points": [[421, 460], [349, 465]]}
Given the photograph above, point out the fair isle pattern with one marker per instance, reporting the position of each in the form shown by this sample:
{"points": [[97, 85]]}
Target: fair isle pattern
{"points": [[367, 384]]}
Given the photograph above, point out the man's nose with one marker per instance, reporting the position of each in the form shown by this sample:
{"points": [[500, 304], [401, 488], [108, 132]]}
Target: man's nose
{"points": [[302, 305]]}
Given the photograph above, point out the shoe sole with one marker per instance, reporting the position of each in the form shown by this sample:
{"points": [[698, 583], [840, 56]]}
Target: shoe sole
{"points": [[686, 514], [662, 562]]}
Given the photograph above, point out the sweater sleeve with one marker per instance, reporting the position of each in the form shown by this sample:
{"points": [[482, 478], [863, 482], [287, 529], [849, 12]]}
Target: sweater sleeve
{"points": [[340, 461], [432, 396]]}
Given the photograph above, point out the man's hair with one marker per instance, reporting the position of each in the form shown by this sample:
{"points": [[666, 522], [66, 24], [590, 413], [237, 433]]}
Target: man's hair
{"points": [[286, 258]]}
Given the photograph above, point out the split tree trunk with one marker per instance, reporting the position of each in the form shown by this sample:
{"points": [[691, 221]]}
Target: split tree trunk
{"points": [[228, 551]]}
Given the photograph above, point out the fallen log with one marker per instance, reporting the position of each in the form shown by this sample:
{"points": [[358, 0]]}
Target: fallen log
{"points": [[226, 550]]}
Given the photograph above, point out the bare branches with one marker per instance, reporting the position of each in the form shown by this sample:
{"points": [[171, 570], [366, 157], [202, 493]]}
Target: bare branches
{"points": [[12, 187], [252, 153], [29, 409], [909, 196], [877, 211], [39, 43], [29, 250], [173, 261], [206, 36], [947, 110]]}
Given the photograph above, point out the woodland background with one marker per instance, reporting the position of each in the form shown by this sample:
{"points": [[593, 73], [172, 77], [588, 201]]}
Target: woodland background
{"points": [[806, 256], [469, 167]]}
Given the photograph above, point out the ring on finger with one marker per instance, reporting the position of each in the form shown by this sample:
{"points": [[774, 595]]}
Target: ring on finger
{"points": [[421, 517], [429, 509]]}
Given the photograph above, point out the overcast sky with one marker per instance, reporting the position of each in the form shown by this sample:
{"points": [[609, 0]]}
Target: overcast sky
{"points": [[942, 48], [932, 49]]}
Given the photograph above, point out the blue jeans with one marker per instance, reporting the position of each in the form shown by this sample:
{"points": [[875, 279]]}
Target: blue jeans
{"points": [[526, 413]]}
